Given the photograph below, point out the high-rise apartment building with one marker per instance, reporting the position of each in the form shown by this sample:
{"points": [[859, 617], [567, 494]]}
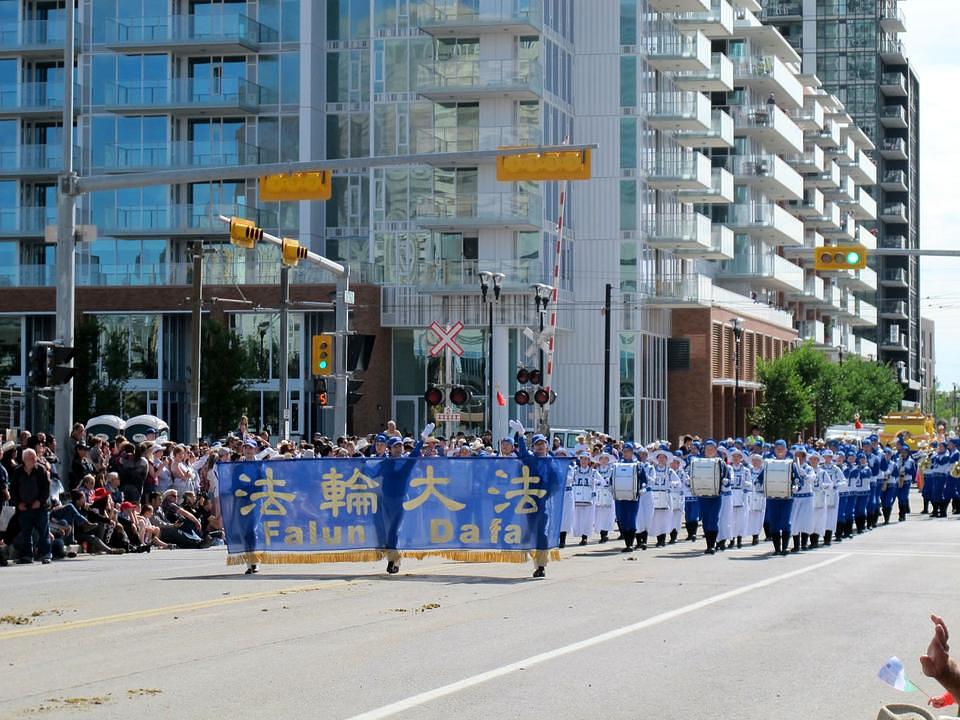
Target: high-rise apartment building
{"points": [[854, 47], [721, 164]]}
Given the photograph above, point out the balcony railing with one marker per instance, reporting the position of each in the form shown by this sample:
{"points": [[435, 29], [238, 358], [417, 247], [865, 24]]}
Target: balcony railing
{"points": [[505, 209], [463, 274], [672, 290], [218, 27], [811, 331], [753, 265], [226, 93], [26, 220], [667, 49], [894, 308], [774, 10], [440, 14], [34, 96], [688, 231], [769, 75], [719, 134], [767, 221], [121, 156], [175, 218], [779, 180], [893, 116], [33, 158], [34, 33], [479, 77], [895, 277], [776, 130], [681, 110], [468, 139]]}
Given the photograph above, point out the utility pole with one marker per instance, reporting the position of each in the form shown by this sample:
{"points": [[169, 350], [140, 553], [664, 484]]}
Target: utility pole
{"points": [[284, 429], [195, 429], [66, 237], [606, 358], [344, 300]]}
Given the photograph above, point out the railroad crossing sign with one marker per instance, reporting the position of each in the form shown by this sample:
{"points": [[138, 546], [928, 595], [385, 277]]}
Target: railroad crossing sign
{"points": [[446, 338], [538, 340], [448, 415]]}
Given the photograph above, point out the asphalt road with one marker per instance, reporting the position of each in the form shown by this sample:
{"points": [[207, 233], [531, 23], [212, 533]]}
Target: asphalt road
{"points": [[662, 634]]}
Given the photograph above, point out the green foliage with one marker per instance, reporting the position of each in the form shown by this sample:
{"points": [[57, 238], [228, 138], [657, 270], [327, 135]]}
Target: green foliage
{"points": [[227, 364], [804, 389]]}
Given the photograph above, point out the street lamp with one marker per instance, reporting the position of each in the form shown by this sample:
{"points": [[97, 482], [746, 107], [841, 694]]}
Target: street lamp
{"points": [[487, 279], [542, 295], [262, 330], [737, 324]]}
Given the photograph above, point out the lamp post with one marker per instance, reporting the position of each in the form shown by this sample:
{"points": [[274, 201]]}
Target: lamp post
{"points": [[488, 279], [737, 324], [542, 295]]}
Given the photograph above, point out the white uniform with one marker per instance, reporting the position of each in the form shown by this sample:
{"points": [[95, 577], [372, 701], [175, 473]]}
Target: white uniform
{"points": [[645, 509], [801, 516], [741, 484], [584, 489], [837, 485], [663, 482], [566, 524], [820, 487], [606, 516], [725, 526], [677, 496], [756, 502]]}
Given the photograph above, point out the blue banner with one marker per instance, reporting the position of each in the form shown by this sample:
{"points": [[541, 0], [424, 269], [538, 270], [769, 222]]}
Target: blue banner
{"points": [[352, 510]]}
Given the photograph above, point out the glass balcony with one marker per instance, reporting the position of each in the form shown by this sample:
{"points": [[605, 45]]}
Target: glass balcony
{"points": [[767, 222], [894, 310], [469, 139], [845, 232], [894, 181], [223, 31], [893, 116], [33, 36], [894, 212], [452, 18], [864, 170], [447, 274], [768, 174], [891, 49], [179, 219], [828, 137], [26, 221], [510, 211], [687, 111], [32, 159], [718, 78], [895, 278], [770, 125], [811, 293], [680, 171], [676, 291], [668, 50], [893, 84], [720, 191], [828, 220], [672, 6], [809, 118], [895, 343], [894, 241], [866, 207], [864, 314], [768, 75], [130, 156], [811, 160], [866, 348], [717, 22], [893, 149], [38, 98], [688, 231], [775, 11], [718, 135], [811, 206], [859, 280], [829, 179], [811, 331], [186, 95], [891, 17], [452, 80], [865, 237], [763, 270]]}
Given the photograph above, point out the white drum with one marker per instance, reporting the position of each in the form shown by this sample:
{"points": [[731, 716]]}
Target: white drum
{"points": [[676, 501], [705, 477], [661, 500], [626, 482], [778, 479], [818, 499], [582, 495], [830, 498], [755, 502], [604, 497]]}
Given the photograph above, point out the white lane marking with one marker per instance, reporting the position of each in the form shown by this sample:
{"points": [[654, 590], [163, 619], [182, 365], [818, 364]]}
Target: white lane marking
{"points": [[455, 687], [894, 553]]}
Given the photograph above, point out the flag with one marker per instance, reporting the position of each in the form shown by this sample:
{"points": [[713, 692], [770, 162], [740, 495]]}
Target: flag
{"points": [[501, 400], [894, 675]]}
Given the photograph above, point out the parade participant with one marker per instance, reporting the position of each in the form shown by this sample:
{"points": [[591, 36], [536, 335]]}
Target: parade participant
{"points": [[821, 483], [645, 509], [662, 482], [951, 486], [741, 484], [859, 478], [888, 486], [780, 509], [848, 498], [627, 510], [393, 502], [725, 523], [584, 480], [605, 516], [832, 481], [380, 446], [801, 515], [691, 504], [904, 476], [710, 506], [677, 495], [878, 466], [756, 501], [935, 479], [541, 449]]}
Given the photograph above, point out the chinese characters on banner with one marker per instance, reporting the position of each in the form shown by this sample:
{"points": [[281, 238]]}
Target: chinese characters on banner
{"points": [[328, 510]]}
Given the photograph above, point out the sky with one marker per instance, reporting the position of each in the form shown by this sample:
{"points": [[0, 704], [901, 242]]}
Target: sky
{"points": [[934, 51]]}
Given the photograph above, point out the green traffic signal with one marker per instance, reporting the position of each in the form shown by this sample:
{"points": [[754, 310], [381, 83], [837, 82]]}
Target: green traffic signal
{"points": [[853, 258]]}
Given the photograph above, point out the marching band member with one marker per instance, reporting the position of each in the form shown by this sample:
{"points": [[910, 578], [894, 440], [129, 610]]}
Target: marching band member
{"points": [[663, 481], [905, 475], [584, 482], [742, 483], [818, 524], [677, 498], [888, 486], [860, 476], [605, 515], [877, 464], [710, 506], [951, 495], [755, 499], [627, 510], [780, 509], [935, 479], [725, 521], [645, 509], [834, 480], [691, 503], [801, 516]]}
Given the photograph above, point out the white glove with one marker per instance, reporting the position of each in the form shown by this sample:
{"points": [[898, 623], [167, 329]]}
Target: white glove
{"points": [[516, 427], [427, 431]]}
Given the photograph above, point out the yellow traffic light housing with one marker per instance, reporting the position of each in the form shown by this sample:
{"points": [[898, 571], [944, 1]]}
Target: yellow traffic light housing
{"points": [[322, 356], [566, 165], [292, 252], [244, 233], [296, 186], [840, 257]]}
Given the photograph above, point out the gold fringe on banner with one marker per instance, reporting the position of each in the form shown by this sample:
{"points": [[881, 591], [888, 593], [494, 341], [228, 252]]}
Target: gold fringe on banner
{"points": [[360, 556]]}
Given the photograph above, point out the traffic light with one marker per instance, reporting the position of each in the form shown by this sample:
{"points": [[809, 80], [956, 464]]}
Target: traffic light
{"points": [[245, 233], [840, 257], [541, 397], [521, 397], [58, 371], [433, 397], [566, 165], [292, 252], [459, 396], [38, 376], [536, 377], [322, 356], [523, 376], [296, 186], [322, 398]]}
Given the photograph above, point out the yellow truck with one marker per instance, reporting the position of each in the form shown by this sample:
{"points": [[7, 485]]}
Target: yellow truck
{"points": [[917, 428]]}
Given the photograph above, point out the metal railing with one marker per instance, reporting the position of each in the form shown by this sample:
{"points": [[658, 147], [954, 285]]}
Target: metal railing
{"points": [[468, 139], [184, 153], [214, 27], [487, 12], [485, 75], [226, 92]]}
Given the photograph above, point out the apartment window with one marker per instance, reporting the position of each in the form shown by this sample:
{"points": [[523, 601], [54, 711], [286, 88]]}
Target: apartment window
{"points": [[628, 205], [628, 22], [628, 81], [10, 344], [628, 142], [628, 266]]}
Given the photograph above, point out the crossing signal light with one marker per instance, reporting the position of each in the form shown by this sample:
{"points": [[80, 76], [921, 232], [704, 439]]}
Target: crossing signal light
{"points": [[459, 396], [521, 397], [353, 391], [322, 355], [292, 252], [433, 397], [840, 257], [523, 376], [245, 233], [296, 186], [541, 397], [536, 377], [563, 165], [322, 399], [38, 375], [59, 371]]}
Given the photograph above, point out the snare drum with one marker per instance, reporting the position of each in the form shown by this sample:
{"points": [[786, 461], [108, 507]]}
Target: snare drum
{"points": [[661, 500], [604, 497], [705, 477], [582, 495], [755, 502], [626, 482], [778, 479]]}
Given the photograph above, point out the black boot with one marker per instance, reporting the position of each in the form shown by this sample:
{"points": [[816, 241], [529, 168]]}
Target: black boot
{"points": [[692, 531], [766, 531], [628, 536], [722, 545], [827, 537], [583, 540], [603, 536], [796, 544], [804, 541], [926, 505], [642, 540], [673, 537], [902, 517], [860, 524], [662, 540], [739, 542], [776, 544], [784, 542], [756, 540], [814, 541], [563, 540], [539, 572], [711, 536]]}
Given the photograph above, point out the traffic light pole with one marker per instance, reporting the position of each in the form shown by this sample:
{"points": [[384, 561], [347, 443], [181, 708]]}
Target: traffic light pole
{"points": [[342, 315], [284, 430], [195, 424], [66, 237]]}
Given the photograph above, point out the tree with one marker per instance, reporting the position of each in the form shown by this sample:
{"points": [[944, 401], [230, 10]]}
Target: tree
{"points": [[786, 408], [870, 389], [102, 363], [822, 380], [225, 371], [86, 343]]}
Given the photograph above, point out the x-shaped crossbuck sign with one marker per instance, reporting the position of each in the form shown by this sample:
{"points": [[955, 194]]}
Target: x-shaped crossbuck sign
{"points": [[446, 338]]}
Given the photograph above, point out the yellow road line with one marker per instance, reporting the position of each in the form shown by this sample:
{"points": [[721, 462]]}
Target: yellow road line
{"points": [[154, 612]]}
